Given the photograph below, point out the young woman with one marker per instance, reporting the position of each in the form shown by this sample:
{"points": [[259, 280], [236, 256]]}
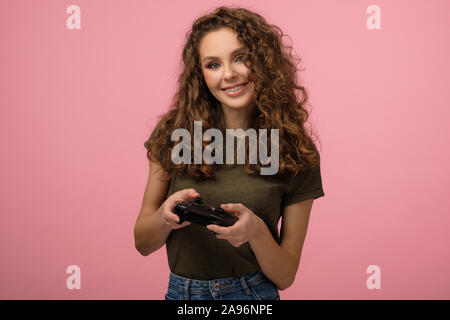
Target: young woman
{"points": [[232, 47]]}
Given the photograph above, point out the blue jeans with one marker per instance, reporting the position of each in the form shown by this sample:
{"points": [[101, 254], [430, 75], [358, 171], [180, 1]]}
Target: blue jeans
{"points": [[252, 286]]}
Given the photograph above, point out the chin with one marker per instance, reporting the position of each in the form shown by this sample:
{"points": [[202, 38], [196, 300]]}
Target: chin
{"points": [[236, 103], [237, 106]]}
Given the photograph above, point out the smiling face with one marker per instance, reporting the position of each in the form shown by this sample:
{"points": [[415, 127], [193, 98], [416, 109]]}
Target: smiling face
{"points": [[221, 59]]}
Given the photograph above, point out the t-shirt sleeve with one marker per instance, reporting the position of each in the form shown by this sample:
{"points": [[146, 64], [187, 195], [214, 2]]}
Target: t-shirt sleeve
{"points": [[306, 185]]}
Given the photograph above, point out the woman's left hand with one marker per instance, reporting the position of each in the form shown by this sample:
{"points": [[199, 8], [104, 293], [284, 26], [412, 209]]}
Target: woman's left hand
{"points": [[245, 229]]}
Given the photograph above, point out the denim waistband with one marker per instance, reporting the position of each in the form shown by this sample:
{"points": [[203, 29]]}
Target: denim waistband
{"points": [[220, 286]]}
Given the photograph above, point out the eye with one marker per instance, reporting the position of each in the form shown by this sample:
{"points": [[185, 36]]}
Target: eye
{"points": [[210, 66]]}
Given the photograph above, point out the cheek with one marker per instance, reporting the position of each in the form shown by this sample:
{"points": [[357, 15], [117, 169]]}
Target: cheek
{"points": [[251, 89], [212, 80], [242, 70]]}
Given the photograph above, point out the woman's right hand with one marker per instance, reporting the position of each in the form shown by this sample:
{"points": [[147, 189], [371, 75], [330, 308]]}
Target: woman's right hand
{"points": [[170, 218]]}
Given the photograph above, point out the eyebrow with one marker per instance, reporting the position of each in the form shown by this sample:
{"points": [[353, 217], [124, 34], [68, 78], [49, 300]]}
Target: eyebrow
{"points": [[232, 53]]}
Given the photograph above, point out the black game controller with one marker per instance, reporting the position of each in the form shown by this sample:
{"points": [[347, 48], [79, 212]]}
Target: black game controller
{"points": [[197, 212]]}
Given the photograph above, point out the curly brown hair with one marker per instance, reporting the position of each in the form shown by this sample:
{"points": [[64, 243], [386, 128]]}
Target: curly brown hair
{"points": [[274, 74]]}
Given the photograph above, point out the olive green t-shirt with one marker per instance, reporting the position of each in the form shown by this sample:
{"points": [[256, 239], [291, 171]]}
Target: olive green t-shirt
{"points": [[194, 252]]}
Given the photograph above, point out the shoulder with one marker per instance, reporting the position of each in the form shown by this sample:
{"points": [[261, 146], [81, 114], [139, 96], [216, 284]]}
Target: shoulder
{"points": [[307, 184], [159, 131]]}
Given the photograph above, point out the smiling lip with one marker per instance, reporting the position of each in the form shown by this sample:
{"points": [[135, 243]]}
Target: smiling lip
{"points": [[236, 93], [237, 85]]}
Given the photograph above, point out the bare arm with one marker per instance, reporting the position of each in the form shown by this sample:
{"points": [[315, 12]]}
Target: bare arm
{"points": [[280, 262], [156, 220]]}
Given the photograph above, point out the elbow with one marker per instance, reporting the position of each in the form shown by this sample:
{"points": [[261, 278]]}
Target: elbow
{"points": [[145, 248], [287, 281], [141, 249], [142, 252], [284, 285], [289, 277], [281, 288], [140, 245]]}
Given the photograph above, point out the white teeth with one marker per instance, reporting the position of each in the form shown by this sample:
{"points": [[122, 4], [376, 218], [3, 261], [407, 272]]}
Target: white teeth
{"points": [[235, 88]]}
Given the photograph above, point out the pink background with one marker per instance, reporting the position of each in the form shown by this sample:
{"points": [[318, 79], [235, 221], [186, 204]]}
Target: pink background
{"points": [[77, 106]]}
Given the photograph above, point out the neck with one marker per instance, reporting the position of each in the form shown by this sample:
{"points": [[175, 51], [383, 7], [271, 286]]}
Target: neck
{"points": [[237, 118]]}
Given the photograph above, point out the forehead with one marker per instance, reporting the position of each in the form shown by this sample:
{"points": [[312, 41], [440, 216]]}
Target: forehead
{"points": [[218, 43]]}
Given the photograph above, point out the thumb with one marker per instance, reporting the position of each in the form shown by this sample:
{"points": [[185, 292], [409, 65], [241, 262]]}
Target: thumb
{"points": [[235, 208], [186, 194]]}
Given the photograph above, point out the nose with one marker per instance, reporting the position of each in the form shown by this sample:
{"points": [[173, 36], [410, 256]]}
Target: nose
{"points": [[229, 72]]}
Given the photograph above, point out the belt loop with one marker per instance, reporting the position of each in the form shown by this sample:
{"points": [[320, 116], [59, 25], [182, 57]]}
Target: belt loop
{"points": [[186, 289], [245, 286]]}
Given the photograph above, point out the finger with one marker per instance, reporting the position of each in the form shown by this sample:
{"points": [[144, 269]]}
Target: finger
{"points": [[221, 236], [184, 224], [186, 194], [171, 217], [173, 204], [177, 225], [172, 225], [179, 198], [236, 208], [219, 230]]}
